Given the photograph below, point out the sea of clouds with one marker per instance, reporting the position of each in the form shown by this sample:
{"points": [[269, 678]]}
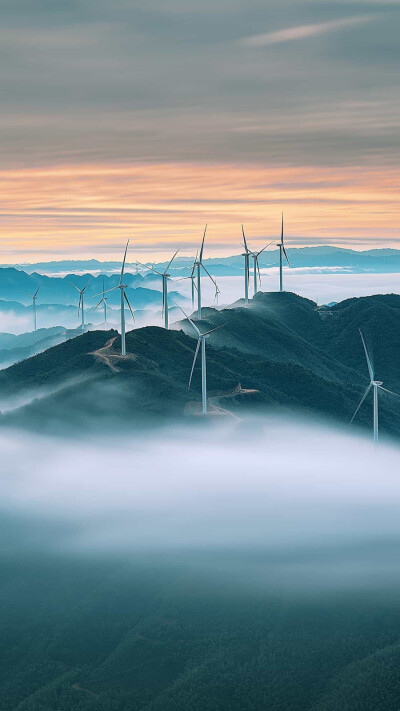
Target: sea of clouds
{"points": [[315, 501]]}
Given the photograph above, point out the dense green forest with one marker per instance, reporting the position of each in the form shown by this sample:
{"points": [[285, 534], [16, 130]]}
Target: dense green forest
{"points": [[163, 634]]}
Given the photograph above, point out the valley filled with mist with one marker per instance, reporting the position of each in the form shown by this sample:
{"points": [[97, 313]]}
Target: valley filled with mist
{"points": [[243, 567], [158, 558]]}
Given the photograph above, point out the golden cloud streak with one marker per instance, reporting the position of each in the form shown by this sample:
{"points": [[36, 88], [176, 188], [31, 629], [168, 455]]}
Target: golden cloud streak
{"points": [[90, 210]]}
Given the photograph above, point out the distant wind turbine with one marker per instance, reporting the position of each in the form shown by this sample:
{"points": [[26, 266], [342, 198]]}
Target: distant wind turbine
{"points": [[198, 265], [33, 297], [165, 277], [282, 252], [81, 308], [376, 385], [246, 256], [201, 343], [124, 299], [103, 301]]}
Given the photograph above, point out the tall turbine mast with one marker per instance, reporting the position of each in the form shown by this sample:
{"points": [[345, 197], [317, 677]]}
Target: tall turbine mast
{"points": [[33, 297], [282, 253], [246, 256], [103, 301], [198, 265], [124, 299], [201, 344], [165, 277], [193, 279], [376, 386], [81, 308]]}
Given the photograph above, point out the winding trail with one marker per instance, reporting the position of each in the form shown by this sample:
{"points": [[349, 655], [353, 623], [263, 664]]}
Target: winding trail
{"points": [[109, 358]]}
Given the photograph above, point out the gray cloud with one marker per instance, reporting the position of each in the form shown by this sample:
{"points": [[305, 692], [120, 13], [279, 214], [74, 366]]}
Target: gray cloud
{"points": [[172, 80]]}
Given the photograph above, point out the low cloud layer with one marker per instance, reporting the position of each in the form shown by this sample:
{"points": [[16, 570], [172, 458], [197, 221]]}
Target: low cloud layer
{"points": [[301, 493]]}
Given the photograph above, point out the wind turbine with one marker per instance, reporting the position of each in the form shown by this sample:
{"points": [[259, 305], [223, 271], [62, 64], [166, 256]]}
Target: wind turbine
{"points": [[246, 256], [103, 301], [81, 308], [124, 299], [282, 251], [201, 343], [198, 266], [376, 385], [164, 276], [33, 297]]}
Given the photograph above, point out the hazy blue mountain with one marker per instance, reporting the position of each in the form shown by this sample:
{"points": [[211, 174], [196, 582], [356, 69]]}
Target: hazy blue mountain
{"points": [[60, 290], [372, 260], [17, 348]]}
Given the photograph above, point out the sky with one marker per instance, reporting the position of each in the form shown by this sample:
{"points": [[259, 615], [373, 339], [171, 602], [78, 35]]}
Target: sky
{"points": [[149, 119]]}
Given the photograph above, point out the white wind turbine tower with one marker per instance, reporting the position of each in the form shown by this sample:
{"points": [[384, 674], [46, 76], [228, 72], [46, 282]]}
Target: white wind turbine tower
{"points": [[193, 280], [198, 265], [103, 301], [282, 252], [124, 299], [81, 308], [165, 277], [201, 343], [33, 297], [375, 385]]}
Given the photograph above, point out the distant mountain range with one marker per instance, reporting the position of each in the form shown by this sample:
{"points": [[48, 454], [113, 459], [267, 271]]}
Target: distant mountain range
{"points": [[373, 260], [16, 284], [16, 348], [281, 351]]}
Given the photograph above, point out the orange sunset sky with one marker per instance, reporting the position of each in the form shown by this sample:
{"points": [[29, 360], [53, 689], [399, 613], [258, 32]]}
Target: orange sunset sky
{"points": [[122, 121]]}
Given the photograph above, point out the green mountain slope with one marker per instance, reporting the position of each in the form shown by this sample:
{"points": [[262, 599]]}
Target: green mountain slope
{"points": [[151, 636], [281, 348]]}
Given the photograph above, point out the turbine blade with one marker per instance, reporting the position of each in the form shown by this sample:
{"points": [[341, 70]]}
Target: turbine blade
{"points": [[123, 263], [171, 261], [190, 321], [261, 250], [388, 391], [286, 257], [107, 291], [258, 271], [202, 244], [244, 241], [36, 292], [129, 306], [30, 295], [361, 401], [151, 269], [208, 274], [75, 286], [82, 290], [282, 230], [214, 329], [97, 305], [370, 368], [194, 362]]}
